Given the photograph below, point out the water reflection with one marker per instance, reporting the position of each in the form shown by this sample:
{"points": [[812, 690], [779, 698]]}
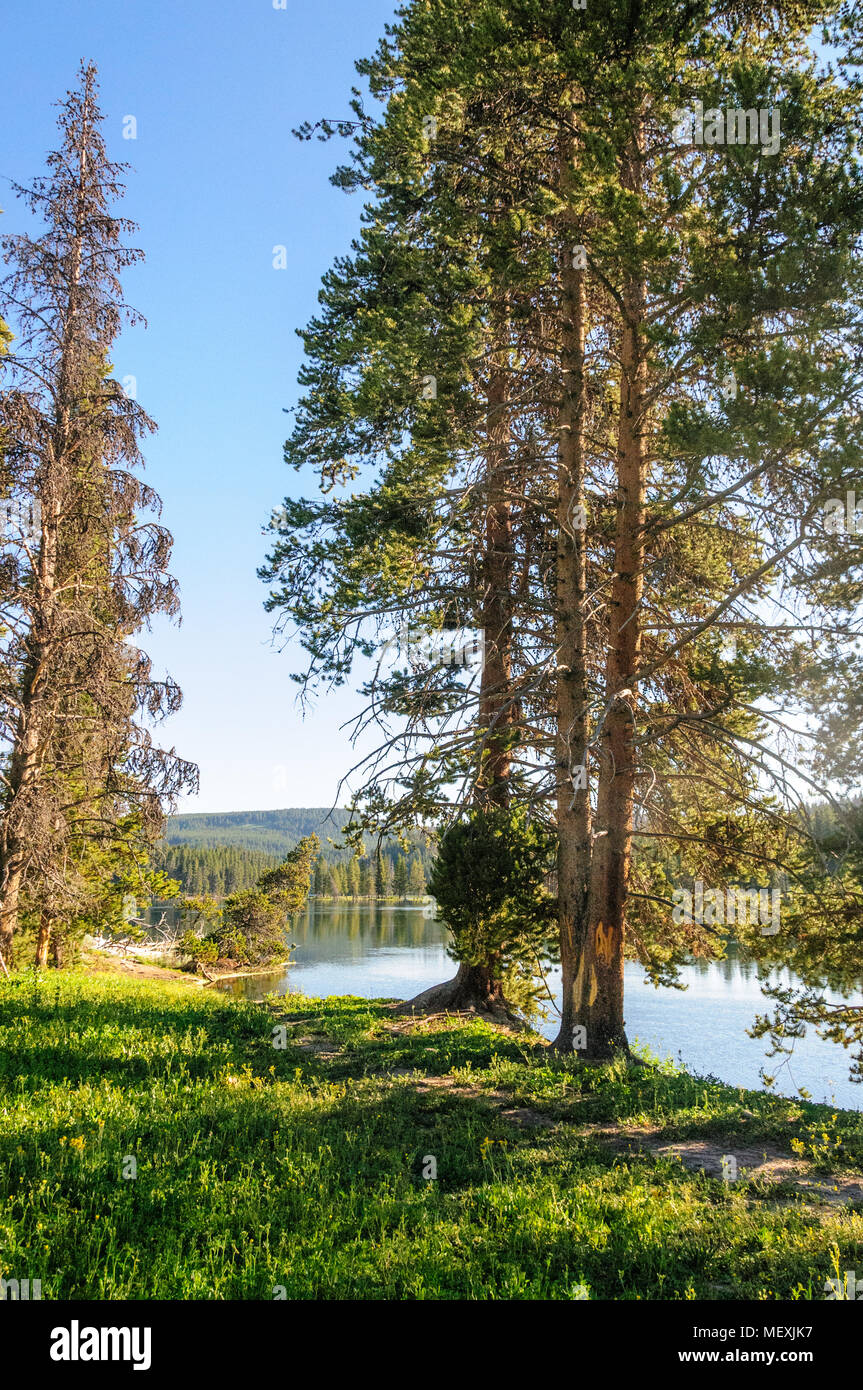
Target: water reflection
{"points": [[329, 926], [394, 951]]}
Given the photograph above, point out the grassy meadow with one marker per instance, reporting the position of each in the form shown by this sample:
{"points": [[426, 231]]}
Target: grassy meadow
{"points": [[303, 1171]]}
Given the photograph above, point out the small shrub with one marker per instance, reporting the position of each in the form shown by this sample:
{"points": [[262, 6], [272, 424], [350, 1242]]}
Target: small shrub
{"points": [[203, 950]]}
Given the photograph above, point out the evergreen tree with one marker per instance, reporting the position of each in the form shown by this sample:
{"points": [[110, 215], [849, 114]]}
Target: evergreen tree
{"points": [[654, 510], [353, 877], [386, 877], [489, 884], [86, 572], [367, 879], [416, 878], [400, 877], [249, 927]]}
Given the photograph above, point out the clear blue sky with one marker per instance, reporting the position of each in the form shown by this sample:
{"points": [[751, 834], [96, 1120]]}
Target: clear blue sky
{"points": [[217, 181]]}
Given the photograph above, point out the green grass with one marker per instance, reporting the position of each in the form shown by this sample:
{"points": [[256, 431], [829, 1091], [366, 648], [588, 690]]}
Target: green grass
{"points": [[260, 1168]]}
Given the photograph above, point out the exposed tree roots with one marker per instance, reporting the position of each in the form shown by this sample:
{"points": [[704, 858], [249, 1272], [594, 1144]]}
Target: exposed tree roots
{"points": [[472, 990]]}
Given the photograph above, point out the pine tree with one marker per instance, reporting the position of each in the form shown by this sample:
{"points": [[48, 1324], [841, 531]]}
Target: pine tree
{"points": [[416, 878], [354, 878], [400, 877], [87, 572], [387, 877], [651, 516]]}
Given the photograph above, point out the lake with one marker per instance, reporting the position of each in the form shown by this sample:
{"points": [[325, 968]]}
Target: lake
{"points": [[394, 951]]}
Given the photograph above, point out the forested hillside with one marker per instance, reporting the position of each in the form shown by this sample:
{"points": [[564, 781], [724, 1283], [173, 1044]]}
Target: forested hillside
{"points": [[217, 872], [225, 853], [270, 832]]}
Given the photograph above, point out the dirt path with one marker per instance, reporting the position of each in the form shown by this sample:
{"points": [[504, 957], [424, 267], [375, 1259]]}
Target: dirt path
{"points": [[760, 1161], [99, 964]]}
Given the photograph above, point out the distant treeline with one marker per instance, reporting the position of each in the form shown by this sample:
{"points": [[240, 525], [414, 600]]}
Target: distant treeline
{"points": [[268, 832], [216, 872], [219, 872], [390, 874]]}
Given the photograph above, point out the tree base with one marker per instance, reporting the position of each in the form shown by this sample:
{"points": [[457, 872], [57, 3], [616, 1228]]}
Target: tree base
{"points": [[604, 1050], [472, 990]]}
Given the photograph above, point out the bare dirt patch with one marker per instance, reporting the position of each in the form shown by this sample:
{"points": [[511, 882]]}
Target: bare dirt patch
{"points": [[320, 1046], [119, 965], [525, 1118], [522, 1117], [762, 1162]]}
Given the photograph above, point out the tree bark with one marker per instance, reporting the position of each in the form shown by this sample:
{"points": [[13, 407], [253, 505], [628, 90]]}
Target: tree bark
{"points": [[599, 985], [474, 987], [42, 939], [496, 712], [21, 785], [9, 910], [573, 792]]}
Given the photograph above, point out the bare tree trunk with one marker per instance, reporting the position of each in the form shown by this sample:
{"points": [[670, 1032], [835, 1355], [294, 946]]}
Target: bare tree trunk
{"points": [[42, 939], [600, 979], [25, 761], [573, 793], [9, 912], [21, 782], [496, 712]]}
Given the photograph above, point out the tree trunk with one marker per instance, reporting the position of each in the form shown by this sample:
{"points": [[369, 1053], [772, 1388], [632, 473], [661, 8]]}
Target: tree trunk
{"points": [[573, 793], [474, 987], [496, 712], [600, 978], [21, 784], [42, 939], [9, 913]]}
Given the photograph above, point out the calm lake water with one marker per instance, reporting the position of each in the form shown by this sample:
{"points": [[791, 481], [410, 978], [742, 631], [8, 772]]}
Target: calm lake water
{"points": [[394, 951]]}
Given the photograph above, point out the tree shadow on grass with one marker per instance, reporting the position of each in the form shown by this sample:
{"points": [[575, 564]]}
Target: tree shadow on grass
{"points": [[325, 1195]]}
